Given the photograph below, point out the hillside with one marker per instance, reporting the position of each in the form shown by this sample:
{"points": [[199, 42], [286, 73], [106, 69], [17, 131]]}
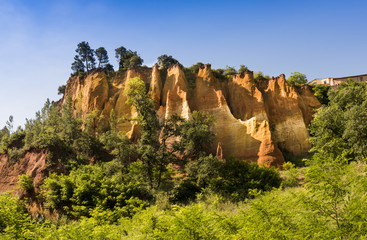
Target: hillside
{"points": [[108, 161]]}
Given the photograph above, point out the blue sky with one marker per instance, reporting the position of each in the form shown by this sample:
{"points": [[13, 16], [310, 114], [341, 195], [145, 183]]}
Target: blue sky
{"points": [[38, 39]]}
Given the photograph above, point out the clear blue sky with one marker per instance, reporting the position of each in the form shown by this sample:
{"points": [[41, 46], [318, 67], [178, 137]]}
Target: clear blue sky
{"points": [[321, 38]]}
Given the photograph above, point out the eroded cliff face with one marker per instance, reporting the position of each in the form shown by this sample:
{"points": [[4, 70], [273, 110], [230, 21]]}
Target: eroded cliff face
{"points": [[253, 120], [32, 163]]}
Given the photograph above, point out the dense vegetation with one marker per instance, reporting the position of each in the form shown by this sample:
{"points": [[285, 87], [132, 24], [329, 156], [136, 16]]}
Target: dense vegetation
{"points": [[297, 79], [167, 185], [168, 164]]}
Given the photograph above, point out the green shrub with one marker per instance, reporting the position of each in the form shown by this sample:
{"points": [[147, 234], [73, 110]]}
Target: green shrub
{"points": [[26, 183], [88, 187], [236, 178], [14, 154], [184, 192], [15, 223]]}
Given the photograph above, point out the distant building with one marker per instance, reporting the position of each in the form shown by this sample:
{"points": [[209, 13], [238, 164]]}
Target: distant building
{"points": [[334, 82]]}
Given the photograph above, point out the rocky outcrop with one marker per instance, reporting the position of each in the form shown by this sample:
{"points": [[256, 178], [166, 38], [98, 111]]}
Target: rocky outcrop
{"points": [[174, 95], [245, 99], [32, 163], [286, 118], [254, 121]]}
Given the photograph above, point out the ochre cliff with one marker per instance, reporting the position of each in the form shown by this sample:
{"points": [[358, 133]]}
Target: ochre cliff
{"points": [[254, 121]]}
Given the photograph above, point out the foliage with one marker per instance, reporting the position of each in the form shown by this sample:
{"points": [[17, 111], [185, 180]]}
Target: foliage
{"points": [[10, 123], [291, 176], [297, 79], [148, 147], [333, 207], [341, 126], [102, 57], [77, 66], [203, 170], [14, 140], [229, 72], [59, 132], [196, 135], [237, 178], [88, 189], [26, 183], [118, 144], [224, 74], [4, 136], [61, 90], [85, 55], [242, 69], [164, 62], [14, 154], [127, 58], [321, 93], [109, 68], [15, 223], [259, 76], [4, 132]]}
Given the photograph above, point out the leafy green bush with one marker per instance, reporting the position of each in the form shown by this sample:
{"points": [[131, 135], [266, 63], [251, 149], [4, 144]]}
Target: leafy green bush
{"points": [[14, 154], [259, 76], [236, 178], [184, 192], [321, 93], [341, 125], [224, 74], [15, 223], [297, 79], [26, 183], [88, 188]]}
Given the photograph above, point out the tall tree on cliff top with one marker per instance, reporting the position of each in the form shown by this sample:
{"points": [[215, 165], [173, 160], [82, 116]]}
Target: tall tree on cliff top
{"points": [[102, 57], [127, 58], [119, 54], [165, 61], [297, 79], [86, 55], [77, 66]]}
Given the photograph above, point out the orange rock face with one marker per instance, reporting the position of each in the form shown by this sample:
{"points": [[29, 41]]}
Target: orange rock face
{"points": [[253, 121], [33, 164]]}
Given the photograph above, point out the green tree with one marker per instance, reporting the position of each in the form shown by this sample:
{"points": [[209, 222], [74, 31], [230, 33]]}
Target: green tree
{"points": [[341, 125], [88, 189], [148, 144], [86, 55], [10, 124], [61, 90], [109, 68], [119, 54], [297, 79], [259, 76], [164, 61], [135, 60], [131, 59], [321, 93], [230, 71], [4, 132], [196, 136], [127, 58], [15, 222], [242, 69], [26, 183], [70, 126], [236, 178], [102, 57], [117, 143], [77, 66]]}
